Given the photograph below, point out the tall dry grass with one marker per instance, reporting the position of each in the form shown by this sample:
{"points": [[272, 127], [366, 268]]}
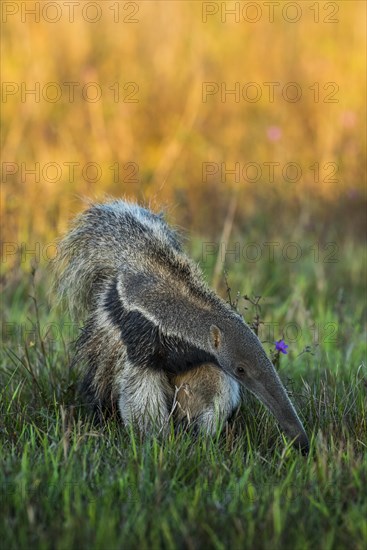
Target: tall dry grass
{"points": [[170, 131]]}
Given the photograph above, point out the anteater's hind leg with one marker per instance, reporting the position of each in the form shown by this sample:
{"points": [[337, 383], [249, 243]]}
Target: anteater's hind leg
{"points": [[144, 397], [205, 397]]}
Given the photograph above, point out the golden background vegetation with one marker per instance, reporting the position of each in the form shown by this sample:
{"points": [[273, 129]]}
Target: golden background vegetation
{"points": [[170, 53]]}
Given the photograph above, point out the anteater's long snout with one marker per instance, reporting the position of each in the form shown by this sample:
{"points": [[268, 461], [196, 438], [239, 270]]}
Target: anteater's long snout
{"points": [[267, 386]]}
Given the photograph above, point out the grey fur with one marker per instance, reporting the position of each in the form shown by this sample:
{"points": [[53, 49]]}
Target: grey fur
{"points": [[152, 324]]}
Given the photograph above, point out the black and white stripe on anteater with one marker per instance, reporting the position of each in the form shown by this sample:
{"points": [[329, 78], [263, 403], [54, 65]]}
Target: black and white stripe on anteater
{"points": [[151, 323]]}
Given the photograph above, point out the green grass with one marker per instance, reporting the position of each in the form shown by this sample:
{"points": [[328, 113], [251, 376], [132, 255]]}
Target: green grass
{"points": [[66, 483]]}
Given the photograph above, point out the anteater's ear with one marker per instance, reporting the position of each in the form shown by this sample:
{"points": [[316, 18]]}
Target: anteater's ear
{"points": [[216, 337]]}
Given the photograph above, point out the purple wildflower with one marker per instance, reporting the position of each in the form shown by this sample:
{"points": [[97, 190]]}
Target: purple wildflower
{"points": [[274, 133], [353, 193], [348, 119], [281, 346]]}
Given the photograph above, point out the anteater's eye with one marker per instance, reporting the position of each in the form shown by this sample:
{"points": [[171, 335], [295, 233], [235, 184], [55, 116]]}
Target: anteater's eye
{"points": [[240, 370]]}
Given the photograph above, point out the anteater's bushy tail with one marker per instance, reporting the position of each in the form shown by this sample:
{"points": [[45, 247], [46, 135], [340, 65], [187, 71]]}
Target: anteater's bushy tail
{"points": [[101, 239]]}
